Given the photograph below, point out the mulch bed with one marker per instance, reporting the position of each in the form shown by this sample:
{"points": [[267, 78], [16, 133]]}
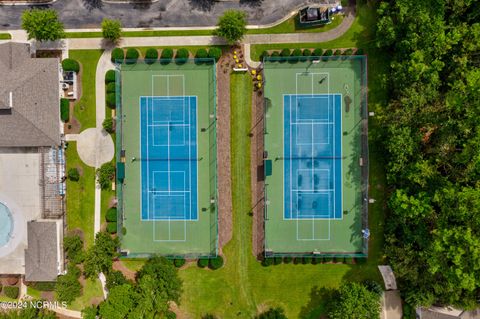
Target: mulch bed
{"points": [[128, 273]]}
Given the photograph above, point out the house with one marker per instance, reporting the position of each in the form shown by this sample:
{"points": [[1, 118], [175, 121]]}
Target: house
{"points": [[32, 166], [439, 312]]}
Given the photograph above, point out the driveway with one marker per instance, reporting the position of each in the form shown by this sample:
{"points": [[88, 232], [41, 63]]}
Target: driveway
{"points": [[163, 13]]}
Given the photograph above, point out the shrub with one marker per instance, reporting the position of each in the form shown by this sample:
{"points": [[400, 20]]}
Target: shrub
{"points": [[297, 260], [328, 52], [267, 262], [111, 100], [307, 52], [348, 52], [349, 260], [151, 55], [74, 248], [70, 65], [111, 87], [124, 231], [118, 55], [64, 110], [307, 260], [359, 52], [316, 261], [111, 29], [68, 288], [11, 291], [287, 260], [295, 55], [277, 260], [202, 262], [73, 174], [132, 56], [166, 56], [285, 52], [318, 52], [215, 53], [115, 278], [264, 55], [327, 259], [179, 262], [112, 227], [108, 125], [181, 56], [275, 55], [43, 286], [373, 286], [201, 54], [215, 263], [337, 52], [111, 214], [272, 313], [105, 175], [296, 52], [110, 76]]}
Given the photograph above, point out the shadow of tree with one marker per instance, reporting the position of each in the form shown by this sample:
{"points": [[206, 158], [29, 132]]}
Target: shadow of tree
{"points": [[202, 5], [317, 305], [141, 4], [92, 4], [251, 3]]}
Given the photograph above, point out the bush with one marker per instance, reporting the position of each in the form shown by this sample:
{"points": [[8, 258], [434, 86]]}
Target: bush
{"points": [[296, 52], [287, 260], [373, 286], [297, 260], [117, 56], [179, 262], [318, 52], [327, 259], [108, 125], [215, 53], [215, 263], [115, 278], [307, 52], [111, 100], [70, 65], [307, 260], [349, 260], [111, 29], [337, 52], [110, 76], [359, 52], [111, 87], [328, 52], [64, 110], [74, 249], [112, 227], [68, 288], [181, 56], [264, 55], [166, 56], [201, 54], [151, 56], [43, 286], [202, 262], [316, 261], [111, 214], [267, 262], [105, 175], [124, 231], [132, 56], [285, 52], [73, 174], [11, 291], [277, 260], [275, 55], [348, 52]]}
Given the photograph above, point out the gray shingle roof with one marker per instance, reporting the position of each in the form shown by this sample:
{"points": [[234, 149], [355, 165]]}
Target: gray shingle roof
{"points": [[33, 119], [41, 254]]}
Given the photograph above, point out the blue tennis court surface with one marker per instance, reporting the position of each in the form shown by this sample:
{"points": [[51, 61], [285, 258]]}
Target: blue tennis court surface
{"points": [[312, 156], [169, 157]]}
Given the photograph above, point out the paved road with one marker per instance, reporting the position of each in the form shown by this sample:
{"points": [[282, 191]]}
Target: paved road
{"points": [[163, 13]]}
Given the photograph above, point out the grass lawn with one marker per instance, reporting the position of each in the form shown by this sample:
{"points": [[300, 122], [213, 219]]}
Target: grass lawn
{"points": [[85, 107], [288, 26], [359, 35], [92, 289], [5, 36], [80, 195], [133, 264], [243, 286], [32, 292]]}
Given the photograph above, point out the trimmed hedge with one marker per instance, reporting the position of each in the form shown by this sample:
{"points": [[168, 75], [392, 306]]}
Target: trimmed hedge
{"points": [[328, 52], [297, 260], [151, 56], [348, 52], [277, 260], [11, 291], [70, 65], [318, 52], [296, 52], [202, 262], [267, 262], [112, 227], [64, 110], [215, 53], [275, 55], [73, 174], [201, 54], [111, 100], [337, 52], [110, 76], [264, 55], [117, 56], [179, 262], [181, 56], [167, 55], [316, 261], [287, 260], [132, 56], [285, 52], [307, 52], [307, 260], [111, 87], [111, 214], [359, 52], [327, 259], [215, 263]]}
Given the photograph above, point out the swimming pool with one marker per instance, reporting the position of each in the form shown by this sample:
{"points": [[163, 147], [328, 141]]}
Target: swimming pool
{"points": [[6, 225]]}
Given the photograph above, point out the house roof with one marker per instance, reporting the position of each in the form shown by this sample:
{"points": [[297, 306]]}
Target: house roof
{"points": [[31, 87], [41, 262], [448, 313]]}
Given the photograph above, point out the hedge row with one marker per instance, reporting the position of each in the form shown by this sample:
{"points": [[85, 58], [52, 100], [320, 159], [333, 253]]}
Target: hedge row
{"points": [[212, 263], [70, 65], [111, 215], [306, 54], [110, 76], [112, 227], [182, 55], [306, 260], [64, 110]]}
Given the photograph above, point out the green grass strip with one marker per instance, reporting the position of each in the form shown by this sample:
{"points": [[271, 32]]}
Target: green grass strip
{"points": [[5, 36]]}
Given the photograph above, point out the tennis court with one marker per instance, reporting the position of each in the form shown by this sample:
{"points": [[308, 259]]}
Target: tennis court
{"points": [[167, 145], [317, 176]]}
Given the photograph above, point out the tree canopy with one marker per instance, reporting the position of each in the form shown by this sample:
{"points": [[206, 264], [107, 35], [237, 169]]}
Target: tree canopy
{"points": [[111, 29], [354, 301], [432, 140], [232, 26], [99, 257], [42, 24]]}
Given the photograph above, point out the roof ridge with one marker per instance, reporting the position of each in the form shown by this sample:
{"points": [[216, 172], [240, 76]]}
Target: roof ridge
{"points": [[37, 128]]}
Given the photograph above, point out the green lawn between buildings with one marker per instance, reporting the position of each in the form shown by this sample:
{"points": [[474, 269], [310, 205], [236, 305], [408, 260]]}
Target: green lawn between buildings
{"points": [[288, 26], [92, 289]]}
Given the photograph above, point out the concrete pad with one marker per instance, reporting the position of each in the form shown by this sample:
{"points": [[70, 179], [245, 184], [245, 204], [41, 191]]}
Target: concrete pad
{"points": [[391, 305], [95, 147]]}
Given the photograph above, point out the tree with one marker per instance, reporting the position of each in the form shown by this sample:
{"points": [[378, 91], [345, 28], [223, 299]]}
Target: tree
{"points": [[74, 248], [116, 278], [73, 174], [232, 26], [99, 257], [272, 313], [111, 29], [152, 303], [354, 301], [68, 288], [105, 175], [90, 312], [120, 302], [42, 24]]}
